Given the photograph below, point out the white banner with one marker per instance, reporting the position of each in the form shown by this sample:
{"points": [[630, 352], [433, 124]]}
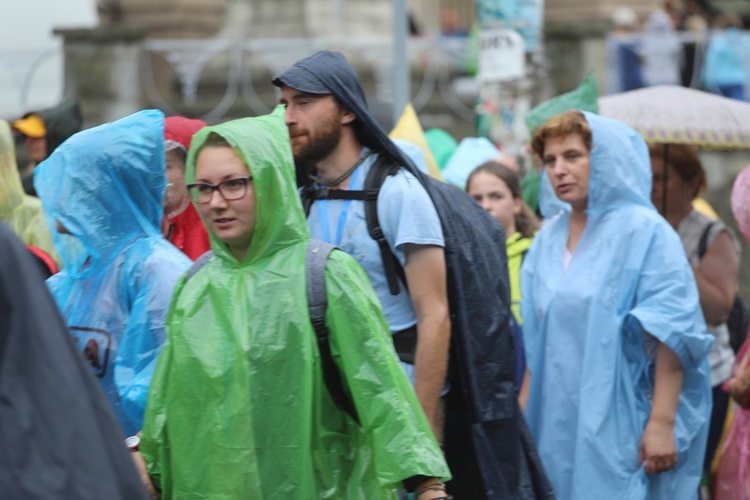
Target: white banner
{"points": [[501, 56]]}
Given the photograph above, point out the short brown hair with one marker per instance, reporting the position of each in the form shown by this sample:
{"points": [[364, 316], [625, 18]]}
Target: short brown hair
{"points": [[685, 161], [562, 125]]}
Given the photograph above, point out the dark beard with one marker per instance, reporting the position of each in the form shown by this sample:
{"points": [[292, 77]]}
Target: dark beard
{"points": [[316, 150]]}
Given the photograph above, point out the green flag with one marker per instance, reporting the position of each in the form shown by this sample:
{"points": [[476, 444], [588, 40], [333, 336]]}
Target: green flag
{"points": [[584, 98]]}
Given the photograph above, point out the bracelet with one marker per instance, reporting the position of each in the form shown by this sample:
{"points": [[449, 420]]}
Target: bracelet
{"points": [[436, 486]]}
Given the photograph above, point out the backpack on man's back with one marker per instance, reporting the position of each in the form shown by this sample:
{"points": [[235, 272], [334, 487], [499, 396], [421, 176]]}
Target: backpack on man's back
{"points": [[482, 357]]}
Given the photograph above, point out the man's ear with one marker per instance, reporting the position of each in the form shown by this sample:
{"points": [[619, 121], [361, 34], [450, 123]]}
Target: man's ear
{"points": [[347, 116]]}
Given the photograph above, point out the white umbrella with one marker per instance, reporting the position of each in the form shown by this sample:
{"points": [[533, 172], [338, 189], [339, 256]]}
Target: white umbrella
{"points": [[673, 114]]}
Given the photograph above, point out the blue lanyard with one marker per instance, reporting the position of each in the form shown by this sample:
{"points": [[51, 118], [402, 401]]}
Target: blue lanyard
{"points": [[323, 213]]}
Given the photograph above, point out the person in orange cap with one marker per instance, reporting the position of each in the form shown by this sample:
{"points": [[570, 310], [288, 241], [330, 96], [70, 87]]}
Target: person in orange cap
{"points": [[43, 132]]}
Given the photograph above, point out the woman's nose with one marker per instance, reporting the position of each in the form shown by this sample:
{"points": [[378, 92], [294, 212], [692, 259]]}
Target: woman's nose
{"points": [[217, 200]]}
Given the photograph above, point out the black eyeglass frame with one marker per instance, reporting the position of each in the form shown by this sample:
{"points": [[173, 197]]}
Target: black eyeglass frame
{"points": [[217, 187]]}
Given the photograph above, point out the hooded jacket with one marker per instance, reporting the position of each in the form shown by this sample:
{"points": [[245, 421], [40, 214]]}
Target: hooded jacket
{"points": [[119, 271], [184, 229], [238, 406], [22, 213], [60, 122], [591, 333], [58, 434]]}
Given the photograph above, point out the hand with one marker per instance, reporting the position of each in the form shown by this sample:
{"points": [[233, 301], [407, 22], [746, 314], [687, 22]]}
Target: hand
{"points": [[140, 466], [739, 384], [658, 450], [739, 389]]}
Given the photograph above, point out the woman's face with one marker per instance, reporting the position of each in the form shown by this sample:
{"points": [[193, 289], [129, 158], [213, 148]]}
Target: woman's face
{"points": [[176, 193], [494, 195], [568, 165], [233, 222], [679, 192]]}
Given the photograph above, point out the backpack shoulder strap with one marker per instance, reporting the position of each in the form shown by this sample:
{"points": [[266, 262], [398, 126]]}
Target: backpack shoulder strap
{"points": [[315, 266], [379, 172], [703, 243], [307, 195], [199, 264]]}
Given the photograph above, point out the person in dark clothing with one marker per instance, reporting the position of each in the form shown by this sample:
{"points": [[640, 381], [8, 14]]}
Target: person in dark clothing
{"points": [[59, 437], [43, 132]]}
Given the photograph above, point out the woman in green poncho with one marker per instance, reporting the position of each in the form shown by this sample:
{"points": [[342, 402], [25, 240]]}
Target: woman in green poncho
{"points": [[238, 407]]}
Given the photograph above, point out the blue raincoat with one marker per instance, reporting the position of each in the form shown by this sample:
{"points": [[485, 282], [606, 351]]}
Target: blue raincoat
{"points": [[105, 186], [591, 333]]}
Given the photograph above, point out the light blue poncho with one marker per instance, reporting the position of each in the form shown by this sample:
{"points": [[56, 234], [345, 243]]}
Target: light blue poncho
{"points": [[105, 185], [591, 333]]}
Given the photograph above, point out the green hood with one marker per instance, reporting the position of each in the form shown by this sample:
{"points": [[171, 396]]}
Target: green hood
{"points": [[238, 407], [263, 144]]}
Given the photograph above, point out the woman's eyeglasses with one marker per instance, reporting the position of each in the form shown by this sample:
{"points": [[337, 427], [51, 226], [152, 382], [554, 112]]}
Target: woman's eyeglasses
{"points": [[230, 189]]}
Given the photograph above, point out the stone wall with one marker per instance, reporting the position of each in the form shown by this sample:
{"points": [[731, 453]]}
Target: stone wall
{"points": [[101, 69], [165, 18]]}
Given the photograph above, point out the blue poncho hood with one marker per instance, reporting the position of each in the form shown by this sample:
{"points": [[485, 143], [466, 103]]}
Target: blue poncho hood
{"points": [[591, 330], [621, 170], [105, 186]]}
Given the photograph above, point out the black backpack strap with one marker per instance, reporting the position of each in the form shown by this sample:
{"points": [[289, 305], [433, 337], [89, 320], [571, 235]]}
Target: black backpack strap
{"points": [[335, 194], [307, 196], [380, 170], [198, 265], [703, 243], [315, 266]]}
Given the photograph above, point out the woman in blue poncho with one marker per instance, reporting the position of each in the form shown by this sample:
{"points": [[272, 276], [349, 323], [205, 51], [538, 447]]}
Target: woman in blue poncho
{"points": [[616, 344]]}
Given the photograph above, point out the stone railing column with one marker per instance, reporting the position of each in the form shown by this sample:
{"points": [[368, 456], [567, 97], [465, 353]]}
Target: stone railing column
{"points": [[102, 71]]}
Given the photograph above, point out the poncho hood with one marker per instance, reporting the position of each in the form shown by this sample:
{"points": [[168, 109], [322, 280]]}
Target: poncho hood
{"points": [[105, 185], [181, 130], [263, 144], [328, 72], [11, 190], [620, 166]]}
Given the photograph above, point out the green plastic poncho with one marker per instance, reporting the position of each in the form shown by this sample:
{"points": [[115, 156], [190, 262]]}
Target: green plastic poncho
{"points": [[22, 213], [238, 407]]}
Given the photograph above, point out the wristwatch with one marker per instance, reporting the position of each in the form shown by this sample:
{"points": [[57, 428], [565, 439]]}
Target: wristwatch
{"points": [[133, 442]]}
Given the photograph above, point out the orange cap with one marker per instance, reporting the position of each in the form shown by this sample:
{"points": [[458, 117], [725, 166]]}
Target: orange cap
{"points": [[31, 126]]}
